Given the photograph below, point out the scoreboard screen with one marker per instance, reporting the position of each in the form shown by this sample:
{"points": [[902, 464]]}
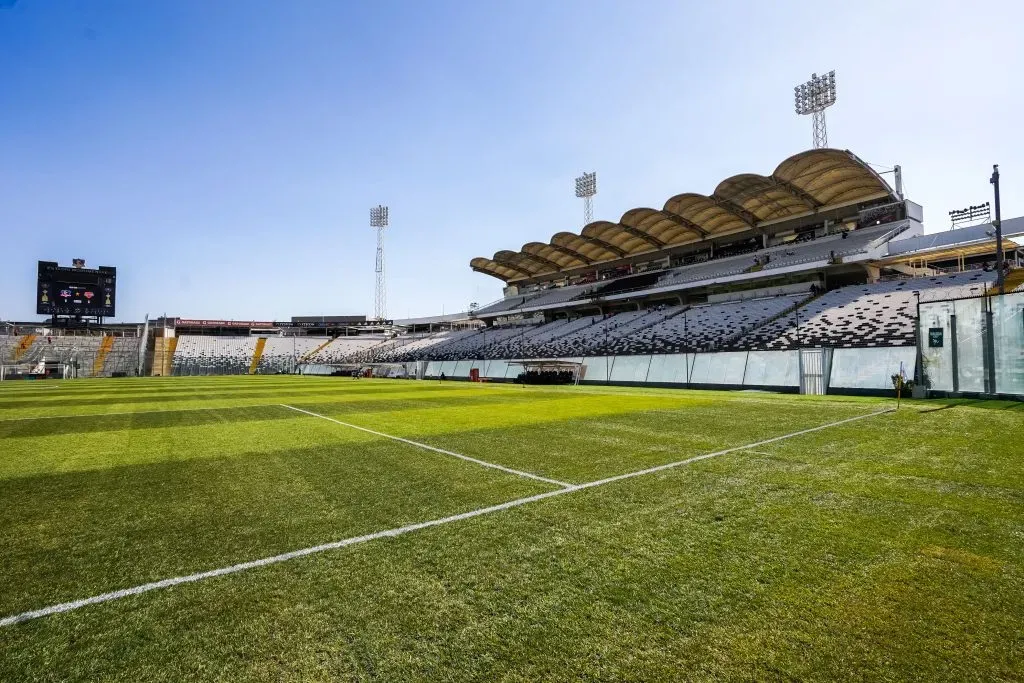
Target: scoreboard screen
{"points": [[76, 291]]}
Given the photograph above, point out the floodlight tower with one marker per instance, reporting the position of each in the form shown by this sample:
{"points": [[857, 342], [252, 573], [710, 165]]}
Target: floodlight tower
{"points": [[814, 97], [586, 188], [379, 221]]}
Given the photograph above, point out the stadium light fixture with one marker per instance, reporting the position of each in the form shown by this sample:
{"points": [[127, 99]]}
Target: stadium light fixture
{"points": [[379, 221], [980, 213], [812, 98], [379, 217], [586, 188]]}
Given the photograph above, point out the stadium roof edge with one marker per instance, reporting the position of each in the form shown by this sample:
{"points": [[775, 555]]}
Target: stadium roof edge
{"points": [[803, 185]]}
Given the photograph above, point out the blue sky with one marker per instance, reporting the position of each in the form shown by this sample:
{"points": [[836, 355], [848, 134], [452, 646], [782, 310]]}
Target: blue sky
{"points": [[224, 155]]}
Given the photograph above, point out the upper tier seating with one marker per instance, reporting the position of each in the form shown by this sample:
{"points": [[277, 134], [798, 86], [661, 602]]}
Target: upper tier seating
{"points": [[475, 345], [75, 349], [343, 350], [197, 354], [420, 348], [588, 337], [880, 314], [281, 354], [547, 297], [836, 246], [122, 358], [701, 328]]}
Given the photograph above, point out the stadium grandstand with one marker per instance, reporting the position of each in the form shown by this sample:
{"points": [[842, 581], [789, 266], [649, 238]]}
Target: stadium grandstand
{"points": [[819, 268]]}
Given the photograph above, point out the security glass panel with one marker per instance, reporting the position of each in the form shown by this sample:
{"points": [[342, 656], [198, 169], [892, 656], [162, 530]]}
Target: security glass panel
{"points": [[670, 368], [498, 369], [772, 369], [970, 343], [598, 368], [719, 368], [630, 368], [870, 368], [1008, 329], [937, 345]]}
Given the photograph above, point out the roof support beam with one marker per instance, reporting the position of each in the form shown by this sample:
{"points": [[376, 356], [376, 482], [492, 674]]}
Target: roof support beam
{"points": [[797, 193], [604, 245], [686, 223], [540, 260], [650, 239], [510, 266], [491, 272], [572, 253], [734, 208]]}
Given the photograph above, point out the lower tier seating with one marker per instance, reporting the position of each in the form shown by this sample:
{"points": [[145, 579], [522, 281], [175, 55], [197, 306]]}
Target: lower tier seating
{"points": [[879, 314]]}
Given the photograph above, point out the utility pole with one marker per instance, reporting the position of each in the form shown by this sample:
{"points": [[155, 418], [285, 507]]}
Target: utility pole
{"points": [[998, 223]]}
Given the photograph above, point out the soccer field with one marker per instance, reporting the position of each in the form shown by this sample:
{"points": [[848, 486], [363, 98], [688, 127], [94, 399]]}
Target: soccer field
{"points": [[311, 528]]}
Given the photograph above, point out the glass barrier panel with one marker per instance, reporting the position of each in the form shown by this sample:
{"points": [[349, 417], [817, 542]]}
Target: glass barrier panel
{"points": [[498, 369], [772, 369], [970, 343], [630, 368], [597, 368], [870, 368], [719, 368], [669, 368], [936, 337], [1008, 342]]}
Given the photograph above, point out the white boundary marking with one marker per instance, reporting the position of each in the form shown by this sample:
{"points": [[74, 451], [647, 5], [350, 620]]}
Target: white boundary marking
{"points": [[389, 533], [482, 463]]}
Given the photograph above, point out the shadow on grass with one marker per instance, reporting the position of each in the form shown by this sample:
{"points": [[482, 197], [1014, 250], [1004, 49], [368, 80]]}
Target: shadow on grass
{"points": [[984, 404]]}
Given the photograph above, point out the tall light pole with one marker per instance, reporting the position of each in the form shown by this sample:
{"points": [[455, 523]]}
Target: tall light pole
{"points": [[586, 188], [379, 221], [813, 98], [998, 224]]}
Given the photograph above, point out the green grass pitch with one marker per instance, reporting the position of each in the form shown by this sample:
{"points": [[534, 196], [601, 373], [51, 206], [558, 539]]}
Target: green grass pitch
{"points": [[886, 548]]}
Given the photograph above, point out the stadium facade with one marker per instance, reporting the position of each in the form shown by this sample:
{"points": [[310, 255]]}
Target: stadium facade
{"points": [[815, 278]]}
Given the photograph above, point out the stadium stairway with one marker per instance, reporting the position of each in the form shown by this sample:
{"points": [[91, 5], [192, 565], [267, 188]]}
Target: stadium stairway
{"points": [[735, 341], [261, 344], [305, 357], [24, 345], [163, 355], [101, 355]]}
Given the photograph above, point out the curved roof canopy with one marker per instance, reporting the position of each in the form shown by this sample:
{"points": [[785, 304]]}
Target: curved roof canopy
{"points": [[802, 185]]}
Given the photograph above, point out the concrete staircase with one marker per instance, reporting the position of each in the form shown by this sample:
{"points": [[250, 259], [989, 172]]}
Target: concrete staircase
{"points": [[315, 351], [261, 343], [23, 346], [101, 355]]}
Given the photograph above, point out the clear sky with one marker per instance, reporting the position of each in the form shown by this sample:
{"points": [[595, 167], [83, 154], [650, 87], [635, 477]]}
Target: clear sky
{"points": [[224, 155]]}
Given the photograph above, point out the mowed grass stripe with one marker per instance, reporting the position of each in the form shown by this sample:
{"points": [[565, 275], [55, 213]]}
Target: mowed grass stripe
{"points": [[94, 404], [32, 446], [581, 438], [397, 531], [215, 495], [348, 402], [716, 570]]}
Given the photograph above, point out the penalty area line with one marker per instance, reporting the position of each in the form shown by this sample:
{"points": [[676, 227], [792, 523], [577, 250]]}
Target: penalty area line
{"points": [[399, 531], [417, 444]]}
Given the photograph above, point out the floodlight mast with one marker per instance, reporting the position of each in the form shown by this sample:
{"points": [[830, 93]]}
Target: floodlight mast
{"points": [[379, 221], [813, 98], [586, 188]]}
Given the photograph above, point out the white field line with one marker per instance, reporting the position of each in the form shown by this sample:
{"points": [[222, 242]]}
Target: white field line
{"points": [[136, 412], [284, 557], [417, 444]]}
